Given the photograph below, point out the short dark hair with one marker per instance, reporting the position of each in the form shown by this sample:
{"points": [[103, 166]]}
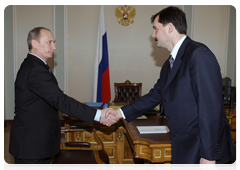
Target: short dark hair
{"points": [[34, 34], [174, 15]]}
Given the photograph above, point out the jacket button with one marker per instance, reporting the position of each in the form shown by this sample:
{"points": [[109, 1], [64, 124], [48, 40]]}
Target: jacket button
{"points": [[173, 135], [164, 100], [167, 118]]}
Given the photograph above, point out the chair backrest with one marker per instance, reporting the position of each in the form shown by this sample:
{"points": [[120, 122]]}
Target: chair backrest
{"points": [[127, 92]]}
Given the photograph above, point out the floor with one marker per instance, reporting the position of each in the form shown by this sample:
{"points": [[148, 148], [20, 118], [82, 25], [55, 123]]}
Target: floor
{"points": [[7, 156]]}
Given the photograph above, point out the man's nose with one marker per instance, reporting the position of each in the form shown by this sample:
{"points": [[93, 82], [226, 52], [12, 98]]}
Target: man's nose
{"points": [[54, 47], [153, 34]]}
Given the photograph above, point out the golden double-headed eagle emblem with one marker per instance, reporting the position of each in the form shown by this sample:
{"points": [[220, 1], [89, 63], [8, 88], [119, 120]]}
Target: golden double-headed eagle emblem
{"points": [[125, 14]]}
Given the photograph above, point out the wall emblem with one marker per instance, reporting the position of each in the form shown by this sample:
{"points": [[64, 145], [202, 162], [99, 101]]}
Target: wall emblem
{"points": [[125, 14]]}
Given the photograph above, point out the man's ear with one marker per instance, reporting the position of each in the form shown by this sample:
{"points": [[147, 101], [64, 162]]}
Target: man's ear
{"points": [[34, 43], [171, 27]]}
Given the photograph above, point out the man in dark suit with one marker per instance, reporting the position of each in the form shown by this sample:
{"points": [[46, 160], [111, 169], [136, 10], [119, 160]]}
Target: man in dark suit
{"points": [[190, 88], [35, 133]]}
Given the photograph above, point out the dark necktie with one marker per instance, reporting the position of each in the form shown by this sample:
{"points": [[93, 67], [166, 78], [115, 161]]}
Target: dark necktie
{"points": [[171, 61], [49, 69]]}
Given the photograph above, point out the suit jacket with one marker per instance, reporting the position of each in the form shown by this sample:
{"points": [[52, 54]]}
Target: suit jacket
{"points": [[36, 132], [192, 98]]}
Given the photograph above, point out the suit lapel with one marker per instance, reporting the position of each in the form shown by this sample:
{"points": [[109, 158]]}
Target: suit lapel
{"points": [[177, 63], [164, 75], [42, 64]]}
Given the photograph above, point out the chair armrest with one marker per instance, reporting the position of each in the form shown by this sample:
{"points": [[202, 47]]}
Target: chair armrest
{"points": [[77, 127], [84, 145], [78, 144]]}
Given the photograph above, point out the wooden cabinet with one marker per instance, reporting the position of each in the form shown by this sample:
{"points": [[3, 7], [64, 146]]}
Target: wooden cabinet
{"points": [[113, 138], [122, 141]]}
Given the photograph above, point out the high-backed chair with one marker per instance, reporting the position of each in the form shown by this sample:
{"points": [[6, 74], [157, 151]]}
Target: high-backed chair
{"points": [[82, 153], [127, 92]]}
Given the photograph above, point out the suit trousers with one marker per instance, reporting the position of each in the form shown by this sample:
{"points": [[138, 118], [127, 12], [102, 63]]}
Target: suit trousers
{"points": [[32, 164]]}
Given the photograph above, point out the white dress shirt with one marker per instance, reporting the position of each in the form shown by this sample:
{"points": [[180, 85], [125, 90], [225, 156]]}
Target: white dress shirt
{"points": [[176, 47]]}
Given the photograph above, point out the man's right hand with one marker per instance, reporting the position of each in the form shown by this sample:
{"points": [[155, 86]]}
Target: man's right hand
{"points": [[109, 117]]}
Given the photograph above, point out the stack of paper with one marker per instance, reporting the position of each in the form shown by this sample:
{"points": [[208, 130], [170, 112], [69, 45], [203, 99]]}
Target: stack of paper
{"points": [[152, 129]]}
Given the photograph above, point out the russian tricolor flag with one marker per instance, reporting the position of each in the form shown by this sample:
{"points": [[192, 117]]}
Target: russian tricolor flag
{"points": [[101, 92]]}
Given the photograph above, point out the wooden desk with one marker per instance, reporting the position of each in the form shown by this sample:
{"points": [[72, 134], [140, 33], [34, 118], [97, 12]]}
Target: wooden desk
{"points": [[156, 148], [231, 116], [122, 138], [231, 113], [113, 138]]}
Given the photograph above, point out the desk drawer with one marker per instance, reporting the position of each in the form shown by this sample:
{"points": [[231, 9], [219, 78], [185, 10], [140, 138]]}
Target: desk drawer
{"points": [[106, 138], [156, 154]]}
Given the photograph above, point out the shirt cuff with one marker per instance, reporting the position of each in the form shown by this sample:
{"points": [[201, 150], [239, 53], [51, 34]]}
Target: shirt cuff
{"points": [[122, 113], [98, 115]]}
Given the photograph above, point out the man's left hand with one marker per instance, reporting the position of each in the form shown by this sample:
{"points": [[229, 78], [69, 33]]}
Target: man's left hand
{"points": [[207, 165]]}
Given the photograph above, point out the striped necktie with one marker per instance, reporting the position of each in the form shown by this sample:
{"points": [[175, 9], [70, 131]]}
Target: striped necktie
{"points": [[171, 61], [49, 69]]}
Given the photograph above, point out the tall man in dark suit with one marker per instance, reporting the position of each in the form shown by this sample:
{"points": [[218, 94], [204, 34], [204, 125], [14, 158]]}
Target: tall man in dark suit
{"points": [[35, 133], [190, 88]]}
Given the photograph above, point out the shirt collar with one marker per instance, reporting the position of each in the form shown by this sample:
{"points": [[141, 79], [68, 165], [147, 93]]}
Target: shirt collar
{"points": [[176, 47], [39, 58]]}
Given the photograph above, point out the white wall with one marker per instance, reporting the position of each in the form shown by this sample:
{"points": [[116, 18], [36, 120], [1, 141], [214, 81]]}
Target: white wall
{"points": [[132, 52], [25, 19], [210, 26]]}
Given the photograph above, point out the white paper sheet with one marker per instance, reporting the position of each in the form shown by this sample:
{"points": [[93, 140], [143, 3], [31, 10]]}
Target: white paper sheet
{"points": [[152, 129]]}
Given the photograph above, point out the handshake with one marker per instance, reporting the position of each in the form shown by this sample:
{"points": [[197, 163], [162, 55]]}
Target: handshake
{"points": [[110, 116]]}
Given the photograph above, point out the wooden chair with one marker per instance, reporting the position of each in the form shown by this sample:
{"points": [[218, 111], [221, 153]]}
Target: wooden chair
{"points": [[127, 92], [82, 152]]}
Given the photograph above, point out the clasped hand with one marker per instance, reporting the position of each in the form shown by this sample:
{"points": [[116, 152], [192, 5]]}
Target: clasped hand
{"points": [[110, 116]]}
